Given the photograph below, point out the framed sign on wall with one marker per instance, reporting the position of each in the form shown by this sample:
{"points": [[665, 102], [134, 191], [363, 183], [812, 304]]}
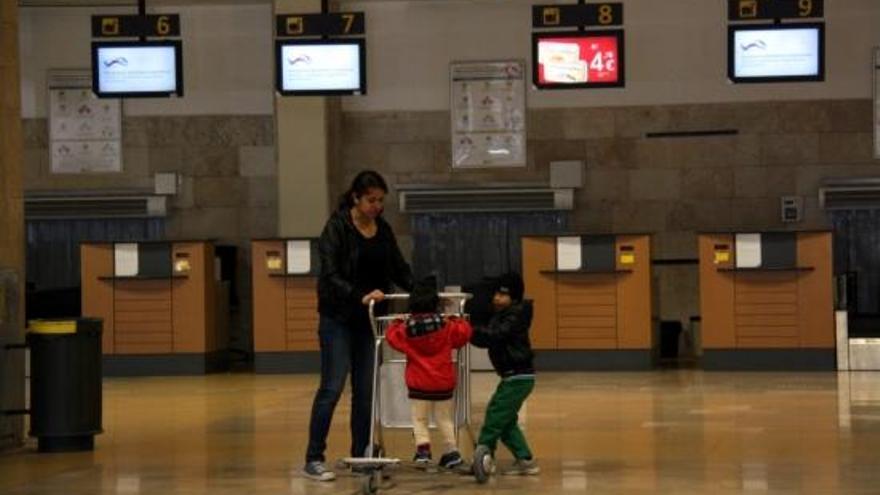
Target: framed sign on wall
{"points": [[488, 113], [85, 133]]}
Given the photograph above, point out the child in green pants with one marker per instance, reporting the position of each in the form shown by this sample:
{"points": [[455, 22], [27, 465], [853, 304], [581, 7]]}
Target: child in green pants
{"points": [[506, 336]]}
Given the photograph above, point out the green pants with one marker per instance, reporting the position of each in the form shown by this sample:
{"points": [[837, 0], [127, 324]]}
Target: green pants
{"points": [[502, 414]]}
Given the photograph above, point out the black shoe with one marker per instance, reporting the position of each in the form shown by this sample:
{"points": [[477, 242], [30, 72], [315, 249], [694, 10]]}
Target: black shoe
{"points": [[451, 460], [422, 457]]}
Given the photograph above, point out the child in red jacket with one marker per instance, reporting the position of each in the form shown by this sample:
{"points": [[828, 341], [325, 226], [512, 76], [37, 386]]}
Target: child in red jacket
{"points": [[427, 340]]}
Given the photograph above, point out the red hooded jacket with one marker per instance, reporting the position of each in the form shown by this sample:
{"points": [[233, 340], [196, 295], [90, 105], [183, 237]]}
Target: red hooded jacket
{"points": [[428, 342]]}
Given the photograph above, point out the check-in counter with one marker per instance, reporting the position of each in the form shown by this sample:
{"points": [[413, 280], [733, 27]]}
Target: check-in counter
{"points": [[592, 300], [766, 301], [285, 312], [159, 302]]}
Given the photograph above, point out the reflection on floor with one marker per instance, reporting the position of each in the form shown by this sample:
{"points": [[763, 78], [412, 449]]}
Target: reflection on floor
{"points": [[629, 433]]}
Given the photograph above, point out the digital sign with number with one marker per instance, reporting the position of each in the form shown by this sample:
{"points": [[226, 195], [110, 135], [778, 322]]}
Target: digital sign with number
{"points": [[776, 53], [753, 10], [133, 26], [336, 24], [137, 69], [587, 15], [567, 60], [321, 67]]}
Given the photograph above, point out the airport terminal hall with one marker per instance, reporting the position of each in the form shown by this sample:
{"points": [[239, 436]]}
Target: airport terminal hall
{"points": [[314, 247]]}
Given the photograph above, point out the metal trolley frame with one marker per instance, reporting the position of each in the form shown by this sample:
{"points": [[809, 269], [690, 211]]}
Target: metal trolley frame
{"points": [[374, 460]]}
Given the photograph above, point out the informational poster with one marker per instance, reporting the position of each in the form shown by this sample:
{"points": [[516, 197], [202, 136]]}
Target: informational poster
{"points": [[877, 102], [488, 110], [85, 133]]}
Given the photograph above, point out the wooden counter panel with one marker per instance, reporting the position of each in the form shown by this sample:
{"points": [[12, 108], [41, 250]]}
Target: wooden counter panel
{"points": [[143, 348], [96, 260], [766, 331], [815, 290], [268, 299], [767, 342], [716, 293], [165, 338], [587, 310], [538, 254], [607, 343]]}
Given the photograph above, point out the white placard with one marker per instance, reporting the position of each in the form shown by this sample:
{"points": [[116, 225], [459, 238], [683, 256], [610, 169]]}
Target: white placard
{"points": [[569, 253], [299, 257], [125, 256], [488, 110], [748, 250], [85, 133]]}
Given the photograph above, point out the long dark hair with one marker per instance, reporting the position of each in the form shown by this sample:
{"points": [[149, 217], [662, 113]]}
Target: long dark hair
{"points": [[363, 182]]}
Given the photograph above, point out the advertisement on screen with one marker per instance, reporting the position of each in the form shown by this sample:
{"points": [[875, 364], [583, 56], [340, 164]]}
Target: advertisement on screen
{"points": [[136, 69], [776, 54], [321, 68], [581, 60]]}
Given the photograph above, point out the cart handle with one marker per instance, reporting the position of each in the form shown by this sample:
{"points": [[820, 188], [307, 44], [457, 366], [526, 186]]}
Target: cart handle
{"points": [[442, 295], [462, 296]]}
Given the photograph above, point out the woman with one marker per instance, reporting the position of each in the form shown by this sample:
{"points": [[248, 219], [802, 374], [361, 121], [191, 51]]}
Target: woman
{"points": [[359, 261]]}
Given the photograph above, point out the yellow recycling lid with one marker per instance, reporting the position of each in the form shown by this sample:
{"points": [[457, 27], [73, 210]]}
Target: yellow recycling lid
{"points": [[52, 326]]}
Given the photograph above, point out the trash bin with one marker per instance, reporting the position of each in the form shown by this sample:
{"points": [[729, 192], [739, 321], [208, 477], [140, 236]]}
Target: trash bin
{"points": [[669, 332], [65, 383]]}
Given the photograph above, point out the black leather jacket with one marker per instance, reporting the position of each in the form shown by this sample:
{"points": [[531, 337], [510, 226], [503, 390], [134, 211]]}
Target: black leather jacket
{"points": [[507, 338], [338, 296]]}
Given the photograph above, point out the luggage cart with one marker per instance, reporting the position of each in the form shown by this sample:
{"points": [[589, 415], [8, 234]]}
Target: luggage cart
{"points": [[390, 401]]}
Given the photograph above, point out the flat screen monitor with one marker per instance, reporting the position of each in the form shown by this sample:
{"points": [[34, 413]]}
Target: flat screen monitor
{"points": [[137, 68], [321, 67], [776, 53], [573, 60]]}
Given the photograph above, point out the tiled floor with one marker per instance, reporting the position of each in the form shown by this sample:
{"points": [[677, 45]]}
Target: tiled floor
{"points": [[629, 433]]}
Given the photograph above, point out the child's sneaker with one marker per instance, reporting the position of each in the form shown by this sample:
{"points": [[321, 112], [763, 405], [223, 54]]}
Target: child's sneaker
{"points": [[316, 470], [522, 467], [451, 460], [483, 465], [423, 455]]}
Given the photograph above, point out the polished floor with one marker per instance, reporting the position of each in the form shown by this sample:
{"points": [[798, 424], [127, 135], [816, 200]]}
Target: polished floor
{"points": [[628, 433]]}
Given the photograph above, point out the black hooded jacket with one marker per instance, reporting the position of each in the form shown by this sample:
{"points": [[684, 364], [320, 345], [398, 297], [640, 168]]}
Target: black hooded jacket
{"points": [[338, 295], [507, 338]]}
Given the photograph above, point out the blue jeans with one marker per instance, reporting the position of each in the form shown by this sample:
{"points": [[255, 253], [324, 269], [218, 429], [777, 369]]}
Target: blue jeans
{"points": [[343, 348]]}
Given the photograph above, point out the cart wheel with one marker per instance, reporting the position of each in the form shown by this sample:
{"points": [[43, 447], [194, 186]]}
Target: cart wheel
{"points": [[371, 483], [483, 463]]}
